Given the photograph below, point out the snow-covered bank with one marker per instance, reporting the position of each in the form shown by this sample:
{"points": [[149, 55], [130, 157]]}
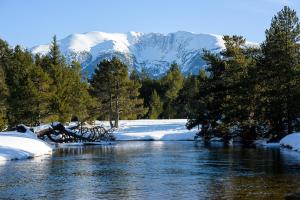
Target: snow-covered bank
{"points": [[170, 129], [265, 143], [15, 145], [291, 141]]}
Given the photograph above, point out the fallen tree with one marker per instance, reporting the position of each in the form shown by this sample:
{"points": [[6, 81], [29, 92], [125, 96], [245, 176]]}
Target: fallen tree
{"points": [[58, 133]]}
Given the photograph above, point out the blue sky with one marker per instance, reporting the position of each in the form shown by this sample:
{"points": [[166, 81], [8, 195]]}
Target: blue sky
{"points": [[32, 22]]}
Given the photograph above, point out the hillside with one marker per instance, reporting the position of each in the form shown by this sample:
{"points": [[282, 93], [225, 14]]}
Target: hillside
{"points": [[153, 52]]}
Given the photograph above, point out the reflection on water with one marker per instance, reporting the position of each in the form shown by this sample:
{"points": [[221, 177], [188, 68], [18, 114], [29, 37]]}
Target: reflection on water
{"points": [[154, 170]]}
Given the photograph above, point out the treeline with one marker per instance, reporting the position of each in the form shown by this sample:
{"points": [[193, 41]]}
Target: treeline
{"points": [[252, 91], [122, 95], [37, 89]]}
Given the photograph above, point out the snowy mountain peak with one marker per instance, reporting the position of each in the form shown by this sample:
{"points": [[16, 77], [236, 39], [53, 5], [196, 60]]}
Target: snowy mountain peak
{"points": [[153, 52]]}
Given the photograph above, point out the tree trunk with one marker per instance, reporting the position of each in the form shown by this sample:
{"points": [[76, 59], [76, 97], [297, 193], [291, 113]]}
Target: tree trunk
{"points": [[290, 128], [110, 111], [117, 109]]}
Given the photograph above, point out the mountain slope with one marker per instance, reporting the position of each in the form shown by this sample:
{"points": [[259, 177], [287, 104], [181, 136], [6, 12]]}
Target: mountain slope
{"points": [[153, 52]]}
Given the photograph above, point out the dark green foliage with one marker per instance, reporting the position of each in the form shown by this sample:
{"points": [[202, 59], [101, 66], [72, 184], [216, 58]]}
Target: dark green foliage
{"points": [[171, 84], [59, 71], [5, 62], [248, 88], [40, 90], [82, 102], [226, 96], [211, 96], [117, 95], [3, 102], [187, 97], [69, 93], [148, 87], [29, 92], [156, 106], [18, 80], [239, 101], [279, 71], [40, 93]]}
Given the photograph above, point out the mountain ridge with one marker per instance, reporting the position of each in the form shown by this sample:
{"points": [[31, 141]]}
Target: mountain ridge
{"points": [[152, 52]]}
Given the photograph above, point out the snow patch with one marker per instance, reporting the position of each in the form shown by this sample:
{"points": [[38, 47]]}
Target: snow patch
{"points": [[163, 130], [15, 145], [291, 141], [265, 143]]}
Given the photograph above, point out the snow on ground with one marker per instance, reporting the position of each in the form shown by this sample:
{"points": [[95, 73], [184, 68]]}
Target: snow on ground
{"points": [[170, 129], [291, 141], [265, 143], [15, 145]]}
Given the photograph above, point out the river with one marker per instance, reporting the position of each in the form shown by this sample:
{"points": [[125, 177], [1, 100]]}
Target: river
{"points": [[154, 170]]}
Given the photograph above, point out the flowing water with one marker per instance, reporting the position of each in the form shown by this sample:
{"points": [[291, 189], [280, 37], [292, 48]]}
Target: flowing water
{"points": [[154, 170]]}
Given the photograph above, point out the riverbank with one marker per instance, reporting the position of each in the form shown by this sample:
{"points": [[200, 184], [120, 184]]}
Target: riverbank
{"points": [[291, 141], [161, 130], [16, 145]]}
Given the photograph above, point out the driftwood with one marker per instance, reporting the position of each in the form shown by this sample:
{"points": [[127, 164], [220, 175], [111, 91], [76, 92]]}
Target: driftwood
{"points": [[59, 134]]}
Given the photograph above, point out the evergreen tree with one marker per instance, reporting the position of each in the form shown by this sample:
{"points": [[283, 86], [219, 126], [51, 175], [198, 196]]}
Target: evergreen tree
{"points": [[148, 85], [138, 110], [187, 97], [226, 95], [212, 93], [70, 95], [156, 106], [5, 62], [239, 105], [279, 72], [201, 114], [117, 94], [134, 76], [3, 102], [82, 103], [171, 84], [40, 93], [101, 89], [62, 87], [20, 88]]}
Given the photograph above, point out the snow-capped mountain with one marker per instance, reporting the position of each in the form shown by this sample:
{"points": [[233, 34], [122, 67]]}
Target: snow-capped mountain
{"points": [[153, 52]]}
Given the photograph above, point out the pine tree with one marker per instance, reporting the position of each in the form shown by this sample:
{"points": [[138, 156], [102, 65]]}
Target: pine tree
{"points": [[156, 106], [279, 72], [134, 76], [69, 96], [5, 62], [211, 95], [226, 95], [187, 97], [82, 102], [20, 88], [55, 56], [59, 71], [239, 104], [3, 102], [148, 85], [41, 93], [202, 113], [117, 94], [137, 110], [171, 84]]}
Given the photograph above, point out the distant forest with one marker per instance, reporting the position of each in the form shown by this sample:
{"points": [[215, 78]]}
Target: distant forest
{"points": [[245, 90]]}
